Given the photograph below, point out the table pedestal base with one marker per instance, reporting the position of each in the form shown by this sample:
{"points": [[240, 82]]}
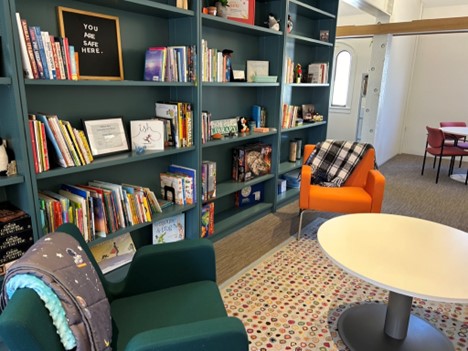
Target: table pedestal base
{"points": [[362, 329]]}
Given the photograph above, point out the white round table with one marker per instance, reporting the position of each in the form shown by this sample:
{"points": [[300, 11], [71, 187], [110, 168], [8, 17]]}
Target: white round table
{"points": [[411, 258]]}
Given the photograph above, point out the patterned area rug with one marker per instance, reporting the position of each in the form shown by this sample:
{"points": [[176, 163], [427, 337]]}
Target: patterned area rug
{"points": [[292, 300]]}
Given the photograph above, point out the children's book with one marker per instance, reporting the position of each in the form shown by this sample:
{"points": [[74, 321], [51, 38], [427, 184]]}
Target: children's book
{"points": [[169, 229], [114, 253], [155, 64]]}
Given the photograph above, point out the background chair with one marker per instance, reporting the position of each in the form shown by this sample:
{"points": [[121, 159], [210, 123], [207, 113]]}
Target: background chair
{"points": [[435, 145], [362, 192], [169, 300], [455, 140]]}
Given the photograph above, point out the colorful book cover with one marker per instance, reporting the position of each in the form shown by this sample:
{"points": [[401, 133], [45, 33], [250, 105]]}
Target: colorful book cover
{"points": [[190, 172], [207, 220], [155, 64], [51, 138], [114, 253], [169, 229]]}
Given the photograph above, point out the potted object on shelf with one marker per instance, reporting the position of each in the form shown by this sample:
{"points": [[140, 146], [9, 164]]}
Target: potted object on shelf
{"points": [[221, 10]]}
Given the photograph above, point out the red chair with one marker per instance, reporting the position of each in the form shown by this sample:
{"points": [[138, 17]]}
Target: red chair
{"points": [[435, 145], [455, 140]]}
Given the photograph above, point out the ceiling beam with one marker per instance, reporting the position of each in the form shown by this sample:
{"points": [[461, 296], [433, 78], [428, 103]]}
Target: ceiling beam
{"points": [[367, 7], [416, 27]]}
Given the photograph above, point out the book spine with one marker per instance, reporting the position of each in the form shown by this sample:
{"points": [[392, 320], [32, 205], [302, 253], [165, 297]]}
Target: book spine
{"points": [[44, 150], [51, 137], [48, 54], [27, 69], [29, 47], [83, 150], [37, 55], [74, 73], [76, 146], [54, 126], [66, 54], [32, 134], [69, 143], [42, 54], [86, 145]]}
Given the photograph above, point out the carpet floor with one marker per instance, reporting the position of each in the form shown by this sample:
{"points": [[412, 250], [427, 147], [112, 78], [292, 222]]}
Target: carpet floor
{"points": [[291, 299]]}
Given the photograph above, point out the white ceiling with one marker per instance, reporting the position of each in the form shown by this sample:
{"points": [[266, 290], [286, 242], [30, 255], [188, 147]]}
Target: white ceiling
{"points": [[348, 10]]}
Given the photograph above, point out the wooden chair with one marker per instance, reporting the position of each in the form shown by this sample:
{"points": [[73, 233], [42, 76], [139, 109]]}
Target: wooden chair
{"points": [[362, 192]]}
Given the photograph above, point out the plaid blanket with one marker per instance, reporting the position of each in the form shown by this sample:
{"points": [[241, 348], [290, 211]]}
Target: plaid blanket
{"points": [[333, 161]]}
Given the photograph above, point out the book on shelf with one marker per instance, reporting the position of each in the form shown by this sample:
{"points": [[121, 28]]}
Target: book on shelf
{"points": [[155, 66], [172, 188], [147, 134], [208, 180], [317, 73], [180, 115], [182, 4], [191, 173], [169, 229], [16, 234], [27, 55], [207, 220], [59, 158], [113, 253]]}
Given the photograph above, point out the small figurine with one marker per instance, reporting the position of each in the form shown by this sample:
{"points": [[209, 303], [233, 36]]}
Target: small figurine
{"points": [[229, 76], [273, 23], [298, 73], [3, 157], [242, 125], [290, 24]]}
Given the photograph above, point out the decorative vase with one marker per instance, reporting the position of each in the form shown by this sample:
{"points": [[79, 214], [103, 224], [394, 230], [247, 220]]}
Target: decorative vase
{"points": [[221, 11]]}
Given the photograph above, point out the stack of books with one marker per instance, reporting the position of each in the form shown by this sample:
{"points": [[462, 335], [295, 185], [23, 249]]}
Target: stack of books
{"points": [[178, 123], [98, 208], [55, 141], [216, 66], [179, 185], [170, 64], [45, 56], [16, 234]]}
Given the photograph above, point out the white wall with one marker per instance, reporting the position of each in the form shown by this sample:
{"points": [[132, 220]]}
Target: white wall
{"points": [[439, 88], [390, 119]]}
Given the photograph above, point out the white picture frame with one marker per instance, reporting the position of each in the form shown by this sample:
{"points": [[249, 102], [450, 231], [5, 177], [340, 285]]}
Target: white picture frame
{"points": [[147, 134], [106, 136]]}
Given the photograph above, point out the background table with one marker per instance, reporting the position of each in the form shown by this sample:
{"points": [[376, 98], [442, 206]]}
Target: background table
{"points": [[461, 131], [411, 258]]}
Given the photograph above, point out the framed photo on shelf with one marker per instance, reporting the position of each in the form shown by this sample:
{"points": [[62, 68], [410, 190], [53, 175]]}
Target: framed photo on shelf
{"points": [[96, 39], [148, 134], [242, 11], [106, 136], [257, 68], [324, 35]]}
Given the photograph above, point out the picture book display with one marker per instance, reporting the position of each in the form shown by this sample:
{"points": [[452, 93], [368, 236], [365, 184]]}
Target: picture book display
{"points": [[147, 134], [169, 229], [113, 253]]}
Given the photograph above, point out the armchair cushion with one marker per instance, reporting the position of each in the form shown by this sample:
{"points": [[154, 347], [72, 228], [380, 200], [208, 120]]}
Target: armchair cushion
{"points": [[179, 305]]}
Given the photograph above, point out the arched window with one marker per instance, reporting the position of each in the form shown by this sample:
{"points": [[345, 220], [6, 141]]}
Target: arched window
{"points": [[341, 80]]}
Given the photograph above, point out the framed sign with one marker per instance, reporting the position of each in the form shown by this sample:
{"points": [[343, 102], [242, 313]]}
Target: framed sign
{"points": [[106, 136], [96, 39], [242, 11]]}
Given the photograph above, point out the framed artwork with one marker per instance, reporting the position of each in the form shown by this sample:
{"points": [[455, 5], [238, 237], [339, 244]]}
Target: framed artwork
{"points": [[257, 68], [147, 134], [241, 11], [96, 39], [106, 136]]}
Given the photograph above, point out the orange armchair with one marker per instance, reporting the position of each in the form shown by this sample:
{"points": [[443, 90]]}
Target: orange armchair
{"points": [[362, 192]]}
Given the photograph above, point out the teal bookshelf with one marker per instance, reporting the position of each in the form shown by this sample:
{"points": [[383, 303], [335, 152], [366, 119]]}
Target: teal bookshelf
{"points": [[143, 24]]}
